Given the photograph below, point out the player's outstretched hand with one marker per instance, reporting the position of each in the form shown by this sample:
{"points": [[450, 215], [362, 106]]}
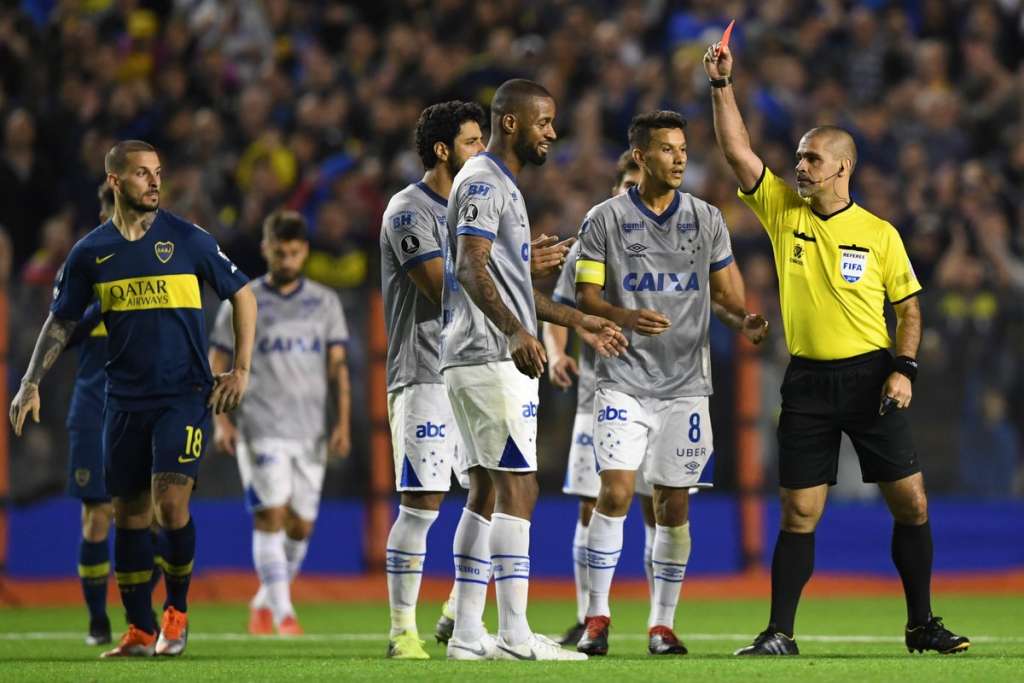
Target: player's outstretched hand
{"points": [[25, 401], [225, 435], [648, 323], [561, 370], [547, 254], [228, 390], [340, 443], [897, 387], [755, 327], [603, 335], [527, 353], [718, 61]]}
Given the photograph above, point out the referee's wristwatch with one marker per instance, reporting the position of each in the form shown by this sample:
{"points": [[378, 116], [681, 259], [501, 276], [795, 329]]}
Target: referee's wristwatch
{"points": [[720, 82]]}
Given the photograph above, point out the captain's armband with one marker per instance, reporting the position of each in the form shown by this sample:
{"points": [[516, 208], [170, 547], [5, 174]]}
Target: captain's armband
{"points": [[590, 272]]}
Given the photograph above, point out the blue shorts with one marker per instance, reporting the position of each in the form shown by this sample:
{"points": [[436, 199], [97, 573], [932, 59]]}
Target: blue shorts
{"points": [[85, 465], [139, 444]]}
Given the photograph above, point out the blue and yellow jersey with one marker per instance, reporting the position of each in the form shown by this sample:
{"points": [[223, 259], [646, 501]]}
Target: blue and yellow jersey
{"points": [[89, 393], [149, 293]]}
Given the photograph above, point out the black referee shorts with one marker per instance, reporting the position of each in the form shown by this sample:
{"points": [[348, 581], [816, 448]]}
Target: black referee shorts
{"points": [[822, 399]]}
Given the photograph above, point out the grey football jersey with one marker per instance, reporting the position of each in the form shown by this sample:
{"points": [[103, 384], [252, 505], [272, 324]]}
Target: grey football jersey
{"points": [[565, 293], [287, 396], [661, 262], [486, 202], [411, 233]]}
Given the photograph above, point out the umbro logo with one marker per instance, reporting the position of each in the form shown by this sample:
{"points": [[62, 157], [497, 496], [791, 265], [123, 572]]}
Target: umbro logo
{"points": [[636, 249]]}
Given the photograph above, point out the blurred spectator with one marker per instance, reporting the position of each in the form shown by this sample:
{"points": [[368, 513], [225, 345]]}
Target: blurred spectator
{"points": [[257, 105]]}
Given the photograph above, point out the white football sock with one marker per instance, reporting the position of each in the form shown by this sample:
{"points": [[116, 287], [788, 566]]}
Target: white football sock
{"points": [[510, 558], [648, 567], [579, 570], [295, 551], [604, 545], [272, 569], [471, 549], [671, 555], [406, 550]]}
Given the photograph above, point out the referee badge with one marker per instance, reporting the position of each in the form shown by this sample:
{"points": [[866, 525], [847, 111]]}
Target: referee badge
{"points": [[853, 262], [164, 251]]}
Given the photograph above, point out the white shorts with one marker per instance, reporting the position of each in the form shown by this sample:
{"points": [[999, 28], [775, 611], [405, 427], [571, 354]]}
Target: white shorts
{"points": [[581, 477], [425, 441], [495, 407], [283, 472], [669, 440]]}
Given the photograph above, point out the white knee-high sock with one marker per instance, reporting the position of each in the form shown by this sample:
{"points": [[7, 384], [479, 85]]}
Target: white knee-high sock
{"points": [[295, 551], [407, 548], [272, 570], [604, 545], [648, 567], [510, 560], [579, 570], [472, 552], [671, 555]]}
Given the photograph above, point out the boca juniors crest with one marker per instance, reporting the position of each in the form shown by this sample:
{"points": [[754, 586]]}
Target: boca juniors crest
{"points": [[853, 262], [164, 251]]}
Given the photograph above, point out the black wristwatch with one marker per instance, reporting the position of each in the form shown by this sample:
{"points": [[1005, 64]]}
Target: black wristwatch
{"points": [[720, 82]]}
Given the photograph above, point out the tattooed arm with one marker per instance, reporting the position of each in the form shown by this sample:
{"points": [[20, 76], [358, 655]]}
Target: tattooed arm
{"points": [[604, 335], [471, 270], [52, 339]]}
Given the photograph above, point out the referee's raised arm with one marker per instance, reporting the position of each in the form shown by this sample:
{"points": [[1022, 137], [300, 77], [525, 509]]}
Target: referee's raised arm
{"points": [[730, 132]]}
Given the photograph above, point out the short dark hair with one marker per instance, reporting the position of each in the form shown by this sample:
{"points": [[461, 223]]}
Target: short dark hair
{"points": [[512, 95], [117, 158], [105, 195], [642, 124], [624, 165], [839, 141], [284, 225], [441, 123]]}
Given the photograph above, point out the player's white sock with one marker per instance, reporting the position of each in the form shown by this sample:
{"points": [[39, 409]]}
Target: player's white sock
{"points": [[604, 545], [579, 570], [272, 569], [648, 567], [510, 558], [671, 554], [259, 601], [472, 552], [406, 550], [295, 551]]}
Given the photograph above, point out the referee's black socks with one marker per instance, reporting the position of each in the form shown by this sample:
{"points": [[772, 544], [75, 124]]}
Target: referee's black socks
{"points": [[792, 566], [912, 555]]}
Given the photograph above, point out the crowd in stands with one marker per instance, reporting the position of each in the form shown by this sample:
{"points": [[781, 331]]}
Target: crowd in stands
{"points": [[311, 105]]}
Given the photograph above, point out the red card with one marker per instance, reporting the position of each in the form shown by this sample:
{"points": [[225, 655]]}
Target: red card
{"points": [[725, 37]]}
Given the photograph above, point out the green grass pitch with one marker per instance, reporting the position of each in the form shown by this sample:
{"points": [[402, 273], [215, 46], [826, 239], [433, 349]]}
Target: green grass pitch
{"points": [[841, 640]]}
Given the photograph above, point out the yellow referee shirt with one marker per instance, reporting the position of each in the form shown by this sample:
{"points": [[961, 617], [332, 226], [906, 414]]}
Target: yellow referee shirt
{"points": [[835, 272]]}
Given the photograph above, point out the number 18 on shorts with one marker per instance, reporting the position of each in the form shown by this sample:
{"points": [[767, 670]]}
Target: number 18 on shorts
{"points": [[668, 439]]}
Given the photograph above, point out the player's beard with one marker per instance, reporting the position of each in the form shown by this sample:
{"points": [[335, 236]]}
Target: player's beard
{"points": [[138, 205], [284, 278], [528, 153]]}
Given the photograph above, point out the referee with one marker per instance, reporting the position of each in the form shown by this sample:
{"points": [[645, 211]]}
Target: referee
{"points": [[836, 264]]}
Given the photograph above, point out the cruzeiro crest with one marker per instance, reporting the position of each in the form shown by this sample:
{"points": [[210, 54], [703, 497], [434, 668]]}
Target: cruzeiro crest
{"points": [[164, 251], [853, 262]]}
